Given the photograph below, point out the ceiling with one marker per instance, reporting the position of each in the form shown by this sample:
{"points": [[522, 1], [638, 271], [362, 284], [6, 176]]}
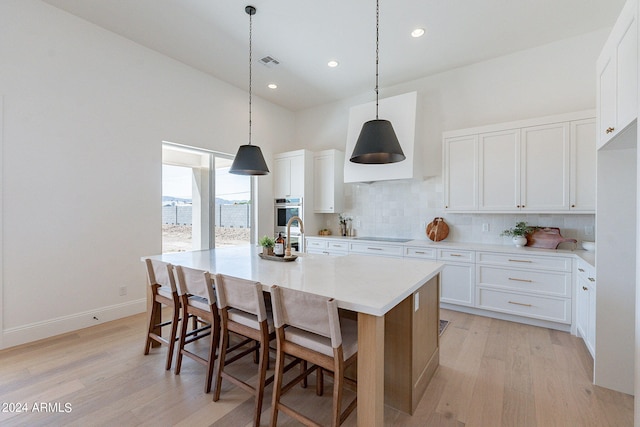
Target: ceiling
{"points": [[303, 35]]}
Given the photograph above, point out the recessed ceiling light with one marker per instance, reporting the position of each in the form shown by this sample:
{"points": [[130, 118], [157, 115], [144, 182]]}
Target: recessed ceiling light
{"points": [[418, 32], [272, 86], [332, 63]]}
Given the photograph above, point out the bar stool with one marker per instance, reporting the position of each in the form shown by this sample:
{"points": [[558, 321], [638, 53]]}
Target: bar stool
{"points": [[308, 327], [164, 292], [197, 298], [243, 312]]}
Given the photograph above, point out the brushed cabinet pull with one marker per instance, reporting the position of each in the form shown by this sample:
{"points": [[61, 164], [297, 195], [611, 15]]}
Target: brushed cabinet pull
{"points": [[581, 270], [584, 288], [591, 279], [520, 280], [519, 303], [520, 260], [420, 252], [375, 249], [610, 129], [456, 255]]}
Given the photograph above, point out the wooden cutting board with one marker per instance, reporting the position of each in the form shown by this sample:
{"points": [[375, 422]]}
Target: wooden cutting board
{"points": [[547, 238]]}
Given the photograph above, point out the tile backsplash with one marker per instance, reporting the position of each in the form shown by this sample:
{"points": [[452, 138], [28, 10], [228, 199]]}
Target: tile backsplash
{"points": [[403, 208]]}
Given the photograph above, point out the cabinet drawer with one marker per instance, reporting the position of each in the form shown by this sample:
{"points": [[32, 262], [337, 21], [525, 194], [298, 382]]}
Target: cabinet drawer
{"points": [[540, 282], [456, 256], [316, 244], [374, 249], [525, 261], [539, 307], [337, 246], [418, 252]]}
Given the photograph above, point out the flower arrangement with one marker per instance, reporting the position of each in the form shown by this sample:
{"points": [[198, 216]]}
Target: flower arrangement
{"points": [[344, 220], [520, 230]]}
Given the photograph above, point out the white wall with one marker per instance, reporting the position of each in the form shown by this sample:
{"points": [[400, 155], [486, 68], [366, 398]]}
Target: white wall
{"points": [[85, 114]]}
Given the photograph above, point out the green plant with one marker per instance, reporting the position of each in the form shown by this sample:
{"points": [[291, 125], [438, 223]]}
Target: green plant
{"points": [[520, 230], [267, 242]]}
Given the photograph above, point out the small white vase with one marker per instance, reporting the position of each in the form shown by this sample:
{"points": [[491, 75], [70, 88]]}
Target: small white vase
{"points": [[519, 241]]}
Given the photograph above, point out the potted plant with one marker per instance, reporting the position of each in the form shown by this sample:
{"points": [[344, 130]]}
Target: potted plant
{"points": [[267, 244], [519, 233]]}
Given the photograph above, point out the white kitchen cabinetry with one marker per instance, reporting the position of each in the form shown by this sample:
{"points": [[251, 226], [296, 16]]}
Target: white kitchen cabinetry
{"points": [[586, 304], [525, 169], [617, 81], [328, 181], [524, 285], [334, 247], [499, 170], [544, 162], [537, 165], [457, 280], [583, 165], [289, 171], [461, 173]]}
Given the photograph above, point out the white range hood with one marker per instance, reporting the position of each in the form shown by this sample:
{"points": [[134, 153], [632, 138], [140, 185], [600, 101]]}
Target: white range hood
{"points": [[400, 110]]}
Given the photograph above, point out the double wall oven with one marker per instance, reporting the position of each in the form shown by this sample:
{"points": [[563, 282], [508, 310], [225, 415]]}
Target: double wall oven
{"points": [[286, 208]]}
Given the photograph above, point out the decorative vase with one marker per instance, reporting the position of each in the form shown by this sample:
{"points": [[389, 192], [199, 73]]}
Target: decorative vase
{"points": [[519, 241], [267, 251]]}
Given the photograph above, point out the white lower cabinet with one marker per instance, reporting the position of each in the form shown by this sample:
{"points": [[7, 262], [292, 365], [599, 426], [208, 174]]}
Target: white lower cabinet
{"points": [[457, 280], [586, 305], [532, 286]]}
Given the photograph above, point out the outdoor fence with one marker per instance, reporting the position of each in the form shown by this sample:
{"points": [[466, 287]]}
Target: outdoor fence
{"points": [[233, 216]]}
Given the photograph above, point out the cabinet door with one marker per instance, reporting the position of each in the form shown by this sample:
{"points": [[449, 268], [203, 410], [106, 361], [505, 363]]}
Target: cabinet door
{"points": [[499, 170], [544, 168], [457, 284], [282, 177], [591, 329], [461, 173], [582, 308], [626, 53], [328, 181], [606, 98], [296, 176], [583, 165]]}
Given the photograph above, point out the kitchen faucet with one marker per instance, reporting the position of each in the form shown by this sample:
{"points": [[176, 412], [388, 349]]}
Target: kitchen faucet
{"points": [[287, 253]]}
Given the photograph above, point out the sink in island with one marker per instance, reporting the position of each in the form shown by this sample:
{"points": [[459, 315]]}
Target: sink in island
{"points": [[397, 307]]}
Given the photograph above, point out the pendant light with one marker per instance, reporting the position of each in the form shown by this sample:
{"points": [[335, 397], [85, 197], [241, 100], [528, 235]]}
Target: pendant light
{"points": [[249, 159], [377, 143]]}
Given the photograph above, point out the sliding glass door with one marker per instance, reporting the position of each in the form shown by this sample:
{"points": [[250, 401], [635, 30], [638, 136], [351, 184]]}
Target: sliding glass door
{"points": [[203, 206]]}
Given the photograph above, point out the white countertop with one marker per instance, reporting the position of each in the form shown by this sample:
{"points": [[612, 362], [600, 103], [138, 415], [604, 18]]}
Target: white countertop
{"points": [[511, 249], [366, 284]]}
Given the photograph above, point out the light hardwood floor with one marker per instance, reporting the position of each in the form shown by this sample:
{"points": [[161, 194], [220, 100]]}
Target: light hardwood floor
{"points": [[492, 373]]}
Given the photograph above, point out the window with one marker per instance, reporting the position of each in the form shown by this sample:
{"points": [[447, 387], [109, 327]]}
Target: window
{"points": [[201, 209]]}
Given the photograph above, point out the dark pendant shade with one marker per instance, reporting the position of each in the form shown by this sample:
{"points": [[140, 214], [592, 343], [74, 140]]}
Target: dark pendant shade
{"points": [[377, 144], [249, 161]]}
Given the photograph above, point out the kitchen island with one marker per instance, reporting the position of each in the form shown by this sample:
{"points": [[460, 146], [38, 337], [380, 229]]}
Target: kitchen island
{"points": [[396, 301]]}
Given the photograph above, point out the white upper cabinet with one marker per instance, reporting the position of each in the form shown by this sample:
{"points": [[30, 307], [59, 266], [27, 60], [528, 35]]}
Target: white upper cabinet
{"points": [[289, 173], [537, 165], [499, 167], [328, 181], [583, 165], [461, 177], [544, 168], [617, 81]]}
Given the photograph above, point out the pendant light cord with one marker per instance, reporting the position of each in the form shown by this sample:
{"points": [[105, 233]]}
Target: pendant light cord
{"points": [[250, 59], [377, 50]]}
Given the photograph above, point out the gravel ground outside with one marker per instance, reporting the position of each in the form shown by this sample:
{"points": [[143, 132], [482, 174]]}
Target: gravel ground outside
{"points": [[177, 238]]}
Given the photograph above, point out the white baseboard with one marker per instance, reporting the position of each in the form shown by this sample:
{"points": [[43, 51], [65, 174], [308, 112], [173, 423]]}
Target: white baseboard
{"points": [[49, 328]]}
